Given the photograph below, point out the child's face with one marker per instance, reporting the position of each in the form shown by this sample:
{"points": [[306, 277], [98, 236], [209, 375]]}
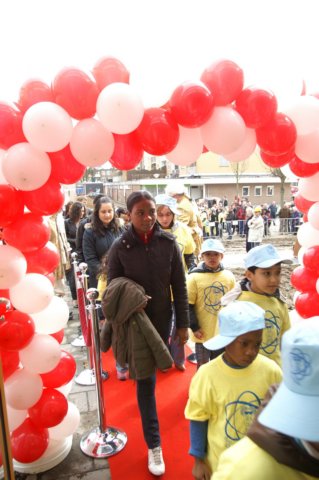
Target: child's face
{"points": [[212, 259], [243, 351], [265, 280]]}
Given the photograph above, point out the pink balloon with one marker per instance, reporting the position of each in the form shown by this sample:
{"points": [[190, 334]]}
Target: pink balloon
{"points": [[307, 147], [246, 149], [224, 132], [304, 112], [15, 417], [307, 235], [13, 266], [309, 187], [189, 147], [52, 318], [47, 126], [32, 294], [119, 108], [91, 143], [23, 389], [25, 167], [3, 180], [41, 355]]}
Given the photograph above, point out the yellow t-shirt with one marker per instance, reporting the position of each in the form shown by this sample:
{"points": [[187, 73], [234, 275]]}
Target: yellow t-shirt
{"points": [[246, 461], [205, 289], [228, 398], [183, 236], [101, 286], [277, 322]]}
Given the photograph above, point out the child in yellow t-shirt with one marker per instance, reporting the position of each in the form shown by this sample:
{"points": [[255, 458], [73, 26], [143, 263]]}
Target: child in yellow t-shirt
{"points": [[261, 286], [206, 285], [226, 392]]}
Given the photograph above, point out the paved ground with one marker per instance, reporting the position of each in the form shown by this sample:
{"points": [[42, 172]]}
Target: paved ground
{"points": [[79, 466]]}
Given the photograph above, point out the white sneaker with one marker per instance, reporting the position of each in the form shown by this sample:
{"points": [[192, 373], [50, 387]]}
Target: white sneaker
{"points": [[156, 463]]}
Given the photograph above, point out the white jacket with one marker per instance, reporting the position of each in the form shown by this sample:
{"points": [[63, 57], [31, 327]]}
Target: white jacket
{"points": [[256, 229]]}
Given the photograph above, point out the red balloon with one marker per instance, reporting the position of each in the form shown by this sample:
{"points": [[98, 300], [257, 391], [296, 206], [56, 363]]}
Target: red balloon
{"points": [[191, 104], [33, 91], [303, 279], [62, 373], [58, 335], [278, 136], [128, 151], [277, 161], [50, 410], [65, 168], [256, 106], [303, 169], [10, 126], [4, 293], [307, 304], [12, 206], [225, 79], [16, 330], [75, 92], [158, 132], [110, 70], [29, 442], [43, 261], [29, 233], [10, 362], [302, 204], [45, 200], [311, 259]]}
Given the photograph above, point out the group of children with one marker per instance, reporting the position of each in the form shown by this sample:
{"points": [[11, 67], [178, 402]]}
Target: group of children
{"points": [[238, 331]]}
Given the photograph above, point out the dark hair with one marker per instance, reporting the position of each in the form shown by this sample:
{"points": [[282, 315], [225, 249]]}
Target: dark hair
{"points": [[67, 208], [136, 197], [97, 197], [97, 224], [76, 211], [252, 269], [103, 267], [121, 211]]}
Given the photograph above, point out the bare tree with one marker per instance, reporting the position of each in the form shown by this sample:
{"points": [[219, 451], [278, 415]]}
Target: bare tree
{"points": [[277, 172], [238, 169]]}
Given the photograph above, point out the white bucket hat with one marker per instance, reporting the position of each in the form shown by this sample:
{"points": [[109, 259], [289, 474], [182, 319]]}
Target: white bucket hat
{"points": [[294, 409], [236, 319], [168, 201]]}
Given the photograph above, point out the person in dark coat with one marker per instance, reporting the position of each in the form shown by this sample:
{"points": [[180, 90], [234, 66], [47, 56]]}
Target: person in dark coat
{"points": [[151, 257], [99, 234]]}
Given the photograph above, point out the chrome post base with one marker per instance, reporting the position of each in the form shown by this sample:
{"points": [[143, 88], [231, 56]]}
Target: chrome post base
{"points": [[78, 342], [86, 377], [99, 444]]}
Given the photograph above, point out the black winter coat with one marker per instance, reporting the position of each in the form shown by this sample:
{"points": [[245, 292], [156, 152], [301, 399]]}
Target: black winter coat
{"points": [[156, 266], [94, 247]]}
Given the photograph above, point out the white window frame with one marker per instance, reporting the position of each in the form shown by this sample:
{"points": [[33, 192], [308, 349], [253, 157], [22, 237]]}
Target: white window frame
{"points": [[255, 190], [248, 190], [272, 187]]}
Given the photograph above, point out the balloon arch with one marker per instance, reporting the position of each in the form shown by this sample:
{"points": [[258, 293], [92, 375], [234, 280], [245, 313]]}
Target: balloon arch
{"points": [[51, 135]]}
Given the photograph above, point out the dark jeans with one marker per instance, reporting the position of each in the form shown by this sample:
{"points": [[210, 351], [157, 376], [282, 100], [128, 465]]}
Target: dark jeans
{"points": [[147, 406], [71, 282]]}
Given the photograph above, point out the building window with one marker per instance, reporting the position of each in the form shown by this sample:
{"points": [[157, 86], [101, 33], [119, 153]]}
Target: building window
{"points": [[223, 162], [270, 191], [245, 192], [258, 191]]}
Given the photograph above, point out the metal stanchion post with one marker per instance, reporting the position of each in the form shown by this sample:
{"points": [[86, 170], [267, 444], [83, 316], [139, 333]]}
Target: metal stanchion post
{"points": [[5, 447], [102, 441]]}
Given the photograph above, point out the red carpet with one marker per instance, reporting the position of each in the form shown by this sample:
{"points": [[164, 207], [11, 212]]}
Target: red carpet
{"points": [[122, 412]]}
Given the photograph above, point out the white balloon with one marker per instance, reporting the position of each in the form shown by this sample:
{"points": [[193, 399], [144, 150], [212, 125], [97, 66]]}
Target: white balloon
{"points": [[41, 355], [66, 389], [306, 147], [246, 149], [23, 389], [47, 126], [307, 235], [13, 266], [120, 108], [52, 318], [15, 417], [68, 425], [313, 215], [3, 180], [32, 294], [309, 187], [301, 254], [304, 112]]}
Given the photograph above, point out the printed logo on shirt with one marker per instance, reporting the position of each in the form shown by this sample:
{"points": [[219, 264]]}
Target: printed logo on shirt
{"points": [[212, 296]]}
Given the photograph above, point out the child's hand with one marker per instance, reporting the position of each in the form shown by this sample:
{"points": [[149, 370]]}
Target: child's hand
{"points": [[199, 334], [201, 470]]}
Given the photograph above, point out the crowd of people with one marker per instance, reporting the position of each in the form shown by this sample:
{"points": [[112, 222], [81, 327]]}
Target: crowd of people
{"points": [[162, 282]]}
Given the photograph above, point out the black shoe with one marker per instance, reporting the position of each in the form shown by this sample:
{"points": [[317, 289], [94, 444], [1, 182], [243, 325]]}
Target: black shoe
{"points": [[192, 358]]}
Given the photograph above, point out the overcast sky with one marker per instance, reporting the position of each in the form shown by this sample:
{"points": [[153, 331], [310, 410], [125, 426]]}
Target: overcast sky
{"points": [[161, 42]]}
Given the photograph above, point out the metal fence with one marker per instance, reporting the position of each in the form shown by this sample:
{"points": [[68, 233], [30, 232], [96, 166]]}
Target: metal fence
{"points": [[231, 228]]}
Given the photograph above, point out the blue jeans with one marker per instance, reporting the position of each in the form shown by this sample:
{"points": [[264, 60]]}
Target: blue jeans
{"points": [[147, 406], [177, 350]]}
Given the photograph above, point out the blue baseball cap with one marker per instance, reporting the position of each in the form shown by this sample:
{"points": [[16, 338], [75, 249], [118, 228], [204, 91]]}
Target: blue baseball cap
{"points": [[212, 245], [293, 410], [264, 256], [168, 201], [236, 319]]}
